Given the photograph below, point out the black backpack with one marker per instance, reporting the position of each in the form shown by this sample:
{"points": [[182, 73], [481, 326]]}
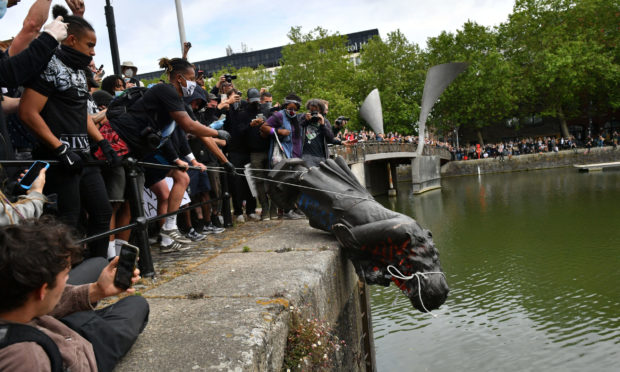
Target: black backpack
{"points": [[120, 104], [15, 333]]}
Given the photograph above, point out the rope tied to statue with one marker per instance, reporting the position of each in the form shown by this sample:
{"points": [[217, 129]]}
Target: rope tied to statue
{"points": [[401, 276]]}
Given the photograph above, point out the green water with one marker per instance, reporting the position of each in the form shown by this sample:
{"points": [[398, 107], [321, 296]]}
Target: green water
{"points": [[533, 263]]}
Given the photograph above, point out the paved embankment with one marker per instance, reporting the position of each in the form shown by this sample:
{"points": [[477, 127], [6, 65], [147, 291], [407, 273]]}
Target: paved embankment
{"points": [[529, 162], [218, 308]]}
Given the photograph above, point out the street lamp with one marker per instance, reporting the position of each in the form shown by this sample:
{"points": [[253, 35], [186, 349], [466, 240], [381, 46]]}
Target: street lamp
{"points": [[181, 23]]}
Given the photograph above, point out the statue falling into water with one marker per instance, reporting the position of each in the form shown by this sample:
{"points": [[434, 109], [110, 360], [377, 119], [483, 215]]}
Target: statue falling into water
{"points": [[376, 239]]}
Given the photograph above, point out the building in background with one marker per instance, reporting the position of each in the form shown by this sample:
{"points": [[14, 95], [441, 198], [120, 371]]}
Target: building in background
{"points": [[268, 58]]}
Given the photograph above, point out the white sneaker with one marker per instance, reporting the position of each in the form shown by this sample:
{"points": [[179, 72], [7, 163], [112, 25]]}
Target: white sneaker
{"points": [[240, 218], [254, 217], [175, 235]]}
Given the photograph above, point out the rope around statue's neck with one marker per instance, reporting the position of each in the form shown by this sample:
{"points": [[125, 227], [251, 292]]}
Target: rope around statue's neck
{"points": [[399, 275]]}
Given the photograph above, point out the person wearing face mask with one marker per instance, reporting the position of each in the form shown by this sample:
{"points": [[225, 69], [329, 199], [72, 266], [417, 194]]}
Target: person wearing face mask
{"points": [[286, 125], [259, 146], [266, 103], [54, 107], [113, 84], [149, 123], [238, 123], [129, 70]]}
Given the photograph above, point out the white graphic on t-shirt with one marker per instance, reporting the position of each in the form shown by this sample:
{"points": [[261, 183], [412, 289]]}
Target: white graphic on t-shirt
{"points": [[64, 77]]}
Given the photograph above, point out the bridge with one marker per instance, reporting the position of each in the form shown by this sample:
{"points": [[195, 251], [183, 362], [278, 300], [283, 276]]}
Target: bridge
{"points": [[375, 163]]}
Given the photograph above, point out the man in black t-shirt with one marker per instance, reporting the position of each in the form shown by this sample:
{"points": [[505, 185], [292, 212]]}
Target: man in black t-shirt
{"points": [[54, 106]]}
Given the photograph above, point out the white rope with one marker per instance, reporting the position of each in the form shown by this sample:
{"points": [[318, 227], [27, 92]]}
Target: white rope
{"points": [[399, 275]]}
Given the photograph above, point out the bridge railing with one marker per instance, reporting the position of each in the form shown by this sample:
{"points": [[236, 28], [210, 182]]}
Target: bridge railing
{"points": [[356, 153]]}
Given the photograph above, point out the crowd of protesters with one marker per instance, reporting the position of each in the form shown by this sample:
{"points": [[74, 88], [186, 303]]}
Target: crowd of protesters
{"points": [[58, 107], [523, 146]]}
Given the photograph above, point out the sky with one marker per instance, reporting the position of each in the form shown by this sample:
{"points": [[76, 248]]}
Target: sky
{"points": [[148, 30]]}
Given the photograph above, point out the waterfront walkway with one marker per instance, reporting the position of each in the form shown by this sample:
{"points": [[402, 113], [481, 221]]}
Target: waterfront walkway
{"points": [[225, 305]]}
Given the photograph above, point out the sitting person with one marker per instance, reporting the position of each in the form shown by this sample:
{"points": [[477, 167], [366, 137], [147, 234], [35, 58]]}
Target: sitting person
{"points": [[35, 259]]}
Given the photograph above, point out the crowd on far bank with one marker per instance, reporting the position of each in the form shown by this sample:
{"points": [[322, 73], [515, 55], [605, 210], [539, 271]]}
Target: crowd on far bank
{"points": [[524, 146]]}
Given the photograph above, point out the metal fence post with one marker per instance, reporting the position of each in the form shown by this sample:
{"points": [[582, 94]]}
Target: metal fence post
{"points": [[137, 215], [226, 214]]}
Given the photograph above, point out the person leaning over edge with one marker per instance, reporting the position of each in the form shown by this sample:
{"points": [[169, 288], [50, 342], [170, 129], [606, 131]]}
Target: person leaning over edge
{"points": [[35, 258]]}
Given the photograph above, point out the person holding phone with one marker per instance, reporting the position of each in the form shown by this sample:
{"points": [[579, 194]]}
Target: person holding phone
{"points": [[35, 259], [28, 206]]}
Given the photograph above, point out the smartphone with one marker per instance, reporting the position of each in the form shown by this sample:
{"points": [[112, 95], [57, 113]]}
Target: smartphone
{"points": [[127, 260], [260, 116], [33, 173], [224, 97]]}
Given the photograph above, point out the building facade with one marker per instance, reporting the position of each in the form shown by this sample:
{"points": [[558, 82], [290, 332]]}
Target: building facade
{"points": [[268, 58]]}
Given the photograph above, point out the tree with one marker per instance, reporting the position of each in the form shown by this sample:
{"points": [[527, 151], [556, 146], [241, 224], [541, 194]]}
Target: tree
{"points": [[316, 65], [482, 95], [395, 67], [567, 54]]}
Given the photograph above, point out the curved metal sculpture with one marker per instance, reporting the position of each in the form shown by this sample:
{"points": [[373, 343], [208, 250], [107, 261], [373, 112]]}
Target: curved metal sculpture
{"points": [[376, 239], [437, 80], [371, 111]]}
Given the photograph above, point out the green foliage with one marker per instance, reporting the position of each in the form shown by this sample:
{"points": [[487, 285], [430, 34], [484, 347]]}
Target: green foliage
{"points": [[395, 67], [316, 65], [552, 57], [483, 94], [568, 55], [163, 77]]}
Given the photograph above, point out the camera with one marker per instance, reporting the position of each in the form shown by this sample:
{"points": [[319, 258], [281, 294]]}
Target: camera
{"points": [[229, 78], [341, 119], [152, 139], [314, 117]]}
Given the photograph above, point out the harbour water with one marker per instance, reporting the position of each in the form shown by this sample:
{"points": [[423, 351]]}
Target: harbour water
{"points": [[533, 263]]}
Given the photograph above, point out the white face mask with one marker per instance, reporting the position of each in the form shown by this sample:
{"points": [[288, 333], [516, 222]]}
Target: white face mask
{"points": [[129, 73], [189, 89], [118, 92]]}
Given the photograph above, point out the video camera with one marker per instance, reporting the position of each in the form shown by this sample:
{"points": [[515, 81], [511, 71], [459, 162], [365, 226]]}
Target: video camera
{"points": [[229, 78]]}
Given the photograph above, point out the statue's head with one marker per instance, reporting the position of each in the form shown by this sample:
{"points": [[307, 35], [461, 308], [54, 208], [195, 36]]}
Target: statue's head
{"points": [[428, 289]]}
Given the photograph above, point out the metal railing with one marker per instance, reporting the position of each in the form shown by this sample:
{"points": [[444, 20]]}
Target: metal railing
{"points": [[139, 223], [356, 153]]}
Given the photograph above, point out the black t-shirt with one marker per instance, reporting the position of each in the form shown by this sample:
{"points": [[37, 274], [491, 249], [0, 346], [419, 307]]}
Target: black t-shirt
{"points": [[153, 110], [314, 140], [65, 112]]}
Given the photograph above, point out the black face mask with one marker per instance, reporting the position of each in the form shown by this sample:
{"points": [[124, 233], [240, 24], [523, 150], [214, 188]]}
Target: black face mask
{"points": [[265, 108], [73, 58]]}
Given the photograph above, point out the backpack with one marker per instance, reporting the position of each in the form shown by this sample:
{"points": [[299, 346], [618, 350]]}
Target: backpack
{"points": [[15, 333], [120, 104]]}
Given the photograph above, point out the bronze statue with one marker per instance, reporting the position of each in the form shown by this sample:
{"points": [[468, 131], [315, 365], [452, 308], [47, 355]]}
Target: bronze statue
{"points": [[384, 246]]}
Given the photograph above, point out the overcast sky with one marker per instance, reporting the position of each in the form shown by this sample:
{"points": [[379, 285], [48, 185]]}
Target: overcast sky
{"points": [[148, 29]]}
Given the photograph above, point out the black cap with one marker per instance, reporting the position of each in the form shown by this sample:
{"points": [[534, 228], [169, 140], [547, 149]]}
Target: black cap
{"points": [[253, 95]]}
